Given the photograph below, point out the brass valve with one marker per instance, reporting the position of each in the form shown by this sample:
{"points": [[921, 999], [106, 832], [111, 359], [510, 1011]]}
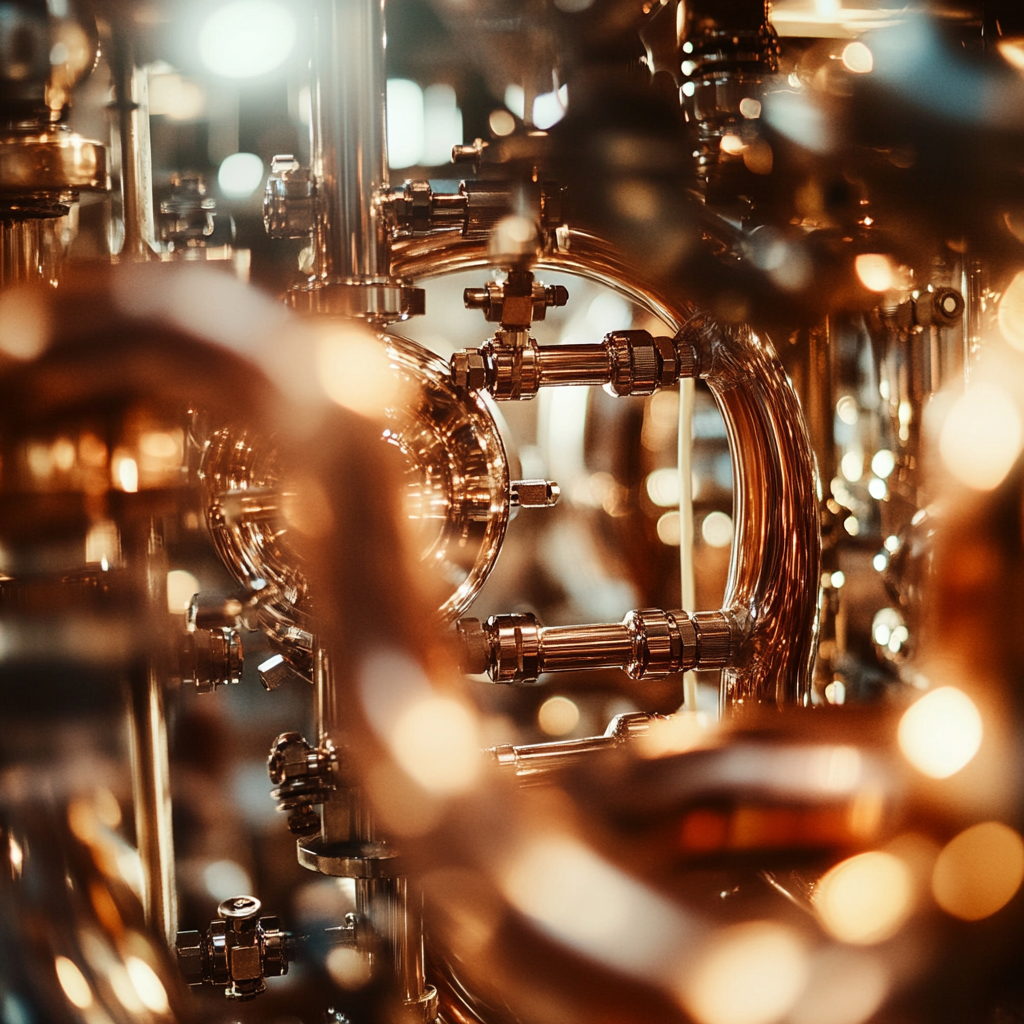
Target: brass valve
{"points": [[238, 952]]}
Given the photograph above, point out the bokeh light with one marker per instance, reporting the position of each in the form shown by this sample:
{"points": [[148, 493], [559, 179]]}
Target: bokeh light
{"points": [[979, 871], [748, 974], [865, 899], [240, 174], [73, 982], [181, 587], [436, 742], [558, 716], [1010, 312], [247, 38], [940, 733], [716, 529], [875, 271], [663, 487], [981, 436], [670, 529], [858, 58]]}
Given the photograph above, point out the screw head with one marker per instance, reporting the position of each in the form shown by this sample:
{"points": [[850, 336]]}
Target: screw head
{"points": [[238, 908]]}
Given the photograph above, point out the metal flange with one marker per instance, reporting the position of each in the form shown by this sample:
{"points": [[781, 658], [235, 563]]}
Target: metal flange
{"points": [[381, 303]]}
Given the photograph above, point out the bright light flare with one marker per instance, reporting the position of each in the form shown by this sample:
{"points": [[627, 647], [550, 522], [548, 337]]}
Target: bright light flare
{"points": [[501, 122], [748, 974], [436, 742], [442, 124], [940, 733], [247, 38], [852, 466], [175, 97], [835, 692], [549, 108], [848, 410], [979, 871], [126, 474], [875, 271], [349, 968], [675, 734], [72, 980], [354, 371], [591, 906], [240, 174], [981, 437], [149, 987], [181, 587], [858, 58], [865, 899]]}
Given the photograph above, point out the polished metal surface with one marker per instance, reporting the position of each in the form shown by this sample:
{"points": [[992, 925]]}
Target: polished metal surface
{"points": [[774, 569], [32, 251], [131, 102], [457, 495], [351, 270], [54, 160], [647, 644], [474, 854], [69, 958]]}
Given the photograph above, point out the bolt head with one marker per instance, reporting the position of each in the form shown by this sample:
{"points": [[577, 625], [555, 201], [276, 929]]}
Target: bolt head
{"points": [[239, 908]]}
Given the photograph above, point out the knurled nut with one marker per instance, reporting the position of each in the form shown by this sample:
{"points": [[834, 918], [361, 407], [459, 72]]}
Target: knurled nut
{"points": [[529, 370], [503, 385], [645, 366], [619, 364], [517, 647], [687, 640], [688, 347], [420, 196], [714, 639], [660, 644], [686, 359]]}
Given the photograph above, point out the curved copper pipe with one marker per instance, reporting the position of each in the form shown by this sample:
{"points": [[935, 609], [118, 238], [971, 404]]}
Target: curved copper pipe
{"points": [[774, 573]]}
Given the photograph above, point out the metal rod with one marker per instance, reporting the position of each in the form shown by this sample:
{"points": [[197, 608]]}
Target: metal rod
{"points": [[131, 102], [573, 364], [687, 581], [152, 799], [349, 140], [572, 648]]}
